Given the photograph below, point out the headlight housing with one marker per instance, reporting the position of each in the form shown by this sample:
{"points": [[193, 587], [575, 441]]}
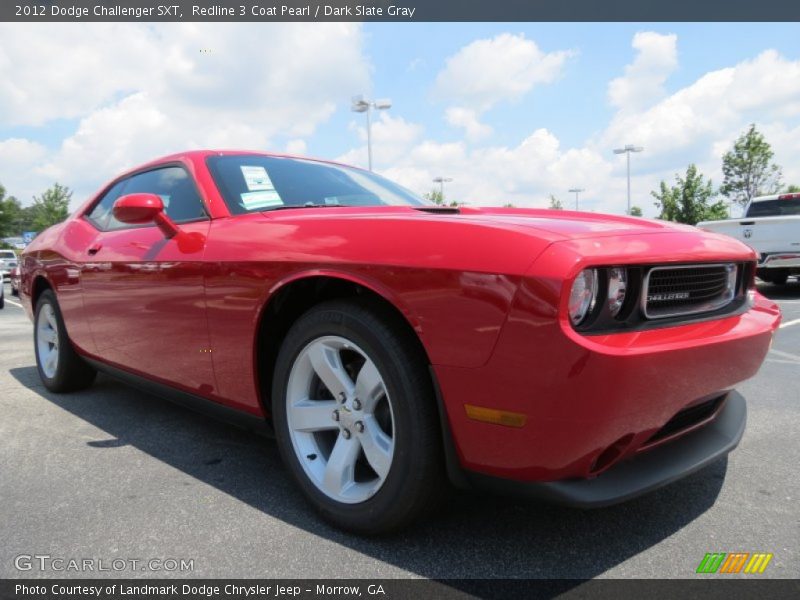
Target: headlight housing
{"points": [[617, 288], [583, 295]]}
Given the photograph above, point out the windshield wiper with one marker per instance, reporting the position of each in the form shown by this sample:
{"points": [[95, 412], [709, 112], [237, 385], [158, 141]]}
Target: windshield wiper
{"points": [[306, 205]]}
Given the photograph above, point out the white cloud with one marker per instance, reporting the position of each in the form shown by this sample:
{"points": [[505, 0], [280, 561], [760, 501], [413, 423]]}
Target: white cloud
{"points": [[696, 123], [467, 119], [489, 71], [142, 91], [643, 82], [297, 147], [165, 95], [716, 106], [59, 70], [392, 136], [18, 156]]}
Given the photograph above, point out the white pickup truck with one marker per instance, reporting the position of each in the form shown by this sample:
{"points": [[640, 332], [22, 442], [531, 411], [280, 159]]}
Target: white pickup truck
{"points": [[771, 226]]}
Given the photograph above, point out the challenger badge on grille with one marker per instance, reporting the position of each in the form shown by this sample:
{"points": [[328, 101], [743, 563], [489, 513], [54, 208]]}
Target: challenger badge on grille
{"points": [[664, 297]]}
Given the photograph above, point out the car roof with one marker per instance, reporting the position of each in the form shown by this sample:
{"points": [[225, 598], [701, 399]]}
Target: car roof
{"points": [[199, 155]]}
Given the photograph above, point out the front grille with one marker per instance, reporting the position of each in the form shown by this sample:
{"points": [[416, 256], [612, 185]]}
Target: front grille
{"points": [[687, 418], [687, 289]]}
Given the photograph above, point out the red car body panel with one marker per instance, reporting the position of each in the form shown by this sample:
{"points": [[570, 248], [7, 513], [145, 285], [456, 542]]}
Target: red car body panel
{"points": [[484, 289]]}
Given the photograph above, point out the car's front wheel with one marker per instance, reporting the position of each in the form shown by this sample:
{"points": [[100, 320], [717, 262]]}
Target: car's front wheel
{"points": [[61, 369], [355, 417]]}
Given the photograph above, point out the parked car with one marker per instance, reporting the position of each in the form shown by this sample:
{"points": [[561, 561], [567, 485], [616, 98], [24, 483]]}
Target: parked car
{"points": [[8, 260], [2, 292], [14, 279], [771, 226], [392, 345]]}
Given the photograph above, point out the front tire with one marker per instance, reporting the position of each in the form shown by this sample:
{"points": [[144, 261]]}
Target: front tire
{"points": [[355, 417], [60, 368]]}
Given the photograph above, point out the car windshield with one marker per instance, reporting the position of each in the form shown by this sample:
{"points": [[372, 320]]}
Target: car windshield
{"points": [[251, 183], [6, 254], [774, 208]]}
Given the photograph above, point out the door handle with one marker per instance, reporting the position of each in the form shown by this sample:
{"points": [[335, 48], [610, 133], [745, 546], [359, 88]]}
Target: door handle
{"points": [[94, 249]]}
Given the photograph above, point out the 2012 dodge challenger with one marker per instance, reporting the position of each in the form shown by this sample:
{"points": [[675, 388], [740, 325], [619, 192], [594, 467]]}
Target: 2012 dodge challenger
{"points": [[393, 345]]}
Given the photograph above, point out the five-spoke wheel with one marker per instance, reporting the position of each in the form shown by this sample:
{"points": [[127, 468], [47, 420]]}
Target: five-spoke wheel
{"points": [[340, 419], [355, 417]]}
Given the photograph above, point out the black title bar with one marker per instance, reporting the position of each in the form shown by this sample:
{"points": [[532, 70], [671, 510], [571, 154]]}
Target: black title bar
{"points": [[709, 588], [398, 10]]}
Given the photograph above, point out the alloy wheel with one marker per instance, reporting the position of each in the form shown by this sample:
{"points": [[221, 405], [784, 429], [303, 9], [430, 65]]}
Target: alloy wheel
{"points": [[340, 419]]}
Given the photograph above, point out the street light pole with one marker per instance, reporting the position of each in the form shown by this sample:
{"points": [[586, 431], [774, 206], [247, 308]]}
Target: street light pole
{"points": [[361, 105], [627, 151], [441, 181], [576, 191]]}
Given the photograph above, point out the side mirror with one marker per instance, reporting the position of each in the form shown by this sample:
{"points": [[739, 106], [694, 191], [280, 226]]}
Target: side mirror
{"points": [[138, 209]]}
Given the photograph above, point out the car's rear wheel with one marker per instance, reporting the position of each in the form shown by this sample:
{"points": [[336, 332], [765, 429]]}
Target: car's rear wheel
{"points": [[773, 276], [355, 418], [61, 369]]}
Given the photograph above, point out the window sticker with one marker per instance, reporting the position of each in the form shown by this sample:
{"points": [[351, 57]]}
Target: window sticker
{"points": [[257, 179], [261, 199]]}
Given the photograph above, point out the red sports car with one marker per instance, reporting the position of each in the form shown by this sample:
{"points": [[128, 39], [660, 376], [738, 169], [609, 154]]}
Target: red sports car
{"points": [[393, 345]]}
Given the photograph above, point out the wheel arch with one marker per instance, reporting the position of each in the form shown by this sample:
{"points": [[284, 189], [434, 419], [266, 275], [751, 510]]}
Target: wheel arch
{"points": [[290, 298], [39, 284]]}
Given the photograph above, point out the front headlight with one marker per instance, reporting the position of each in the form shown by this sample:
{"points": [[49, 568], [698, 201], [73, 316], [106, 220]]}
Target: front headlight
{"points": [[583, 295], [617, 287]]}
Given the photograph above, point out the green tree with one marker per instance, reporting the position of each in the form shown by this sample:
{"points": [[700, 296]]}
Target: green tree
{"points": [[438, 198], [10, 210], [555, 203], [689, 200], [435, 196], [636, 211], [748, 169], [792, 189], [51, 207], [508, 205]]}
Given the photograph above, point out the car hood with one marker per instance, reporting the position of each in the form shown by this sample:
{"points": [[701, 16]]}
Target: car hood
{"points": [[553, 225]]}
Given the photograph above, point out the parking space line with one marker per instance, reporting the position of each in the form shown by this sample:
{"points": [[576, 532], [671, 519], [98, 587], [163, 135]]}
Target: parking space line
{"points": [[789, 323], [789, 355], [11, 302]]}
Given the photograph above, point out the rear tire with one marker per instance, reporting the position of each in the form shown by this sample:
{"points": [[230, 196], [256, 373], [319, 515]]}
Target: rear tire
{"points": [[777, 279], [60, 368], [379, 466]]}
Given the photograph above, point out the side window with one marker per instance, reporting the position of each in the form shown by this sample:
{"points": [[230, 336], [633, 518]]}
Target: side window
{"points": [[101, 214], [172, 184], [176, 189]]}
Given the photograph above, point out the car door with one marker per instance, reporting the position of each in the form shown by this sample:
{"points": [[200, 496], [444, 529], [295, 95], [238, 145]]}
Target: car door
{"points": [[144, 294]]}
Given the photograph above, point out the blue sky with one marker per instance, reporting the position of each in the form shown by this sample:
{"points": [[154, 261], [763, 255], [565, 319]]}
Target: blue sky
{"points": [[83, 101]]}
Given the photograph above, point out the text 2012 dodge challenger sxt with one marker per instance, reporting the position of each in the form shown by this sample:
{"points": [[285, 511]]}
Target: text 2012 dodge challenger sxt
{"points": [[394, 345]]}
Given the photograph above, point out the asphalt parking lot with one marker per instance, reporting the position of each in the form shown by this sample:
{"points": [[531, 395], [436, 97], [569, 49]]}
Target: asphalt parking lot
{"points": [[115, 473]]}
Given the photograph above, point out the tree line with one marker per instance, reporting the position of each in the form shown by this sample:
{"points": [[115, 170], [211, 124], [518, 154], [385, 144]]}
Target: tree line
{"points": [[47, 209]]}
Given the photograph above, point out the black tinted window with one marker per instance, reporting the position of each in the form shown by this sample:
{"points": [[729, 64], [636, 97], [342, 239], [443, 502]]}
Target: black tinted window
{"points": [[774, 208], [251, 183], [172, 184]]}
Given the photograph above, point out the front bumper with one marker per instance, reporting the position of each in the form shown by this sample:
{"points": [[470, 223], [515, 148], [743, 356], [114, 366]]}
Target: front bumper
{"points": [[779, 260], [641, 473]]}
